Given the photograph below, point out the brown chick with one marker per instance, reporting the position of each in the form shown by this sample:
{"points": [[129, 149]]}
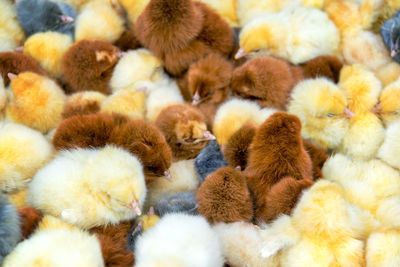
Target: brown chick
{"points": [[322, 66], [184, 129], [224, 197], [236, 150], [276, 152], [180, 32], [266, 80], [88, 65], [30, 219], [12, 62], [318, 157]]}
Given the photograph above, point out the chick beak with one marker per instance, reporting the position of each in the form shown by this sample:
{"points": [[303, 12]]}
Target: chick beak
{"points": [[19, 49], [196, 99], [135, 207], [142, 89], [207, 136], [121, 54], [168, 175], [11, 76], [348, 113], [138, 228], [377, 109], [240, 53], [66, 19], [393, 53]]}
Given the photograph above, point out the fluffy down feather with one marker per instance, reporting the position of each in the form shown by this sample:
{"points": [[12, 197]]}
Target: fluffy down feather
{"points": [[179, 240], [96, 187], [11, 33], [182, 202], [383, 248], [390, 149], [17, 165], [388, 107], [36, 101], [209, 160], [130, 102], [10, 233]]}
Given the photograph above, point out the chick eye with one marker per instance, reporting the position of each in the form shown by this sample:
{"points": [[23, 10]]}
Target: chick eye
{"points": [[330, 115]]}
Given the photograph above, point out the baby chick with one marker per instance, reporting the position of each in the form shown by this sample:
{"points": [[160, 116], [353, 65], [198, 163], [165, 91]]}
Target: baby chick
{"points": [[83, 103], [388, 107], [182, 202], [11, 33], [226, 9], [295, 34], [322, 109], [88, 65], [322, 66], [184, 129], [17, 165], [117, 187], [224, 197], [36, 101], [133, 8], [130, 102], [10, 233], [170, 243], [209, 160], [390, 32], [45, 15], [266, 80], [48, 48], [99, 20], [12, 62]]}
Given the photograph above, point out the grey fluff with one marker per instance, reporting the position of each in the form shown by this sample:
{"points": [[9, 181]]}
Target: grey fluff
{"points": [[209, 160], [390, 32], [10, 232], [182, 202], [44, 15], [133, 235]]}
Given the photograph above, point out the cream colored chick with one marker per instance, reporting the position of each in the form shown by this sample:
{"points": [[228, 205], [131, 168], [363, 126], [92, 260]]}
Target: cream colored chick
{"points": [[389, 152], [322, 109], [22, 152], [99, 20], [372, 185], [184, 179], [36, 101], [85, 102], [89, 188], [366, 132], [135, 66], [58, 246], [11, 33], [233, 114], [324, 230], [133, 8], [226, 9], [48, 48], [388, 107], [296, 34], [179, 240], [129, 102], [383, 248]]}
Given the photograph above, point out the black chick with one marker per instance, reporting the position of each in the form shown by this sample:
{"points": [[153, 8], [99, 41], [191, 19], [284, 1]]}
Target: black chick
{"points": [[390, 32]]}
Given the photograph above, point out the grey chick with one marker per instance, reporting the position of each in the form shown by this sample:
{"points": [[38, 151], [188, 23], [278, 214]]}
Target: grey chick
{"points": [[390, 32], [209, 160], [44, 15], [183, 202], [10, 233]]}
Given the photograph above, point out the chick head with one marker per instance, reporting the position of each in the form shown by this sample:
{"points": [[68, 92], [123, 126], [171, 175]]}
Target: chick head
{"points": [[388, 107], [322, 109]]}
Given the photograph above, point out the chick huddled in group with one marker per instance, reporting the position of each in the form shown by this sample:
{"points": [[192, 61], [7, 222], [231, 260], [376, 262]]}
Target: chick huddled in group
{"points": [[209, 160], [96, 187]]}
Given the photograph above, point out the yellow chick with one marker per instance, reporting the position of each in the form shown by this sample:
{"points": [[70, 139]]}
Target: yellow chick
{"points": [[58, 246], [324, 230], [11, 33], [366, 132], [36, 101], [149, 220], [88, 188], [295, 34], [134, 8], [383, 248], [99, 20], [48, 48], [129, 102], [388, 73], [22, 152], [322, 109], [388, 107], [85, 102], [233, 114], [226, 9], [135, 66]]}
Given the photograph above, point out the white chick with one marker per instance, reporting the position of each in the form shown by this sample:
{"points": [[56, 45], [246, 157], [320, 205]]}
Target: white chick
{"points": [[179, 240], [22, 152], [87, 187]]}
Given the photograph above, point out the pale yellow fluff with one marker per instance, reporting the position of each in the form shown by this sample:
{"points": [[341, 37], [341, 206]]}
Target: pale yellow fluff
{"points": [[22, 152], [137, 65], [57, 248], [390, 149], [233, 114], [388, 73], [36, 101], [48, 48], [184, 179], [295, 34], [383, 248], [389, 101], [11, 33], [18, 199], [134, 8], [226, 9], [50, 222], [320, 106], [129, 102], [87, 187], [99, 20]]}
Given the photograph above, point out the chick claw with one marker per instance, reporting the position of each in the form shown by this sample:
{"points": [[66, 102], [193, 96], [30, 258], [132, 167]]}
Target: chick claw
{"points": [[135, 207]]}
